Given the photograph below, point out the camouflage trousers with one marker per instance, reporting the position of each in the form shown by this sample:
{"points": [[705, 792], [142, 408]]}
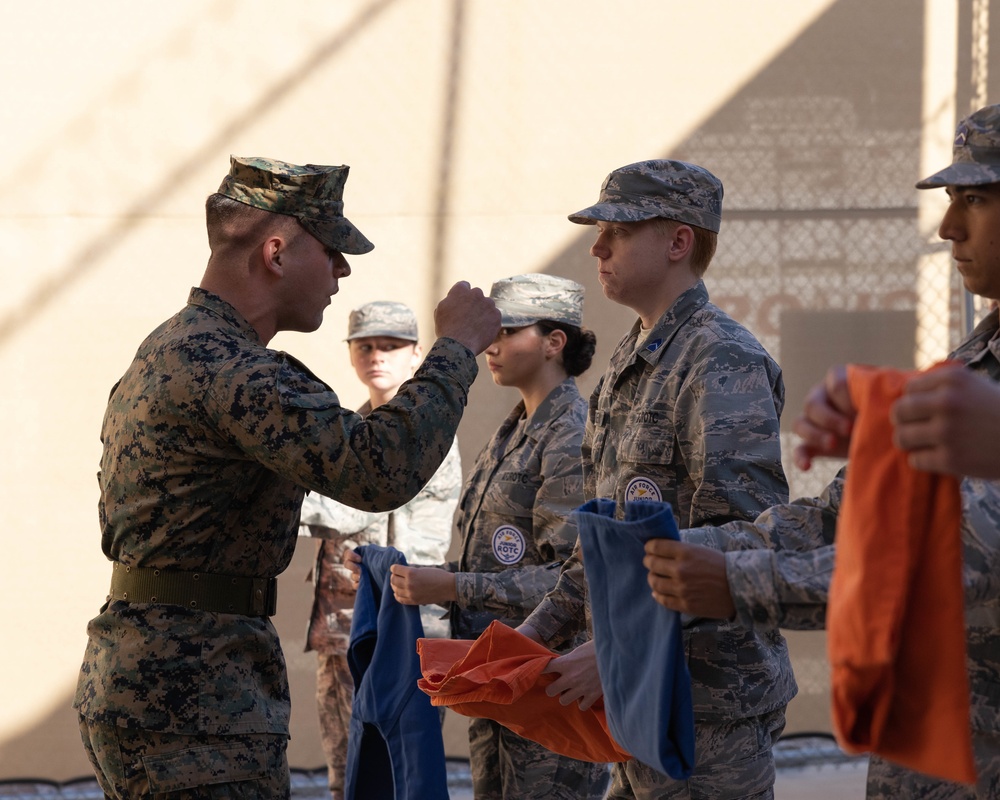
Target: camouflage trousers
{"points": [[334, 696], [892, 782], [733, 761], [506, 766], [131, 764]]}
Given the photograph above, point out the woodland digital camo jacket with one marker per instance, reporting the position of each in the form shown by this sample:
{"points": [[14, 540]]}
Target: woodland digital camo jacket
{"points": [[210, 440]]}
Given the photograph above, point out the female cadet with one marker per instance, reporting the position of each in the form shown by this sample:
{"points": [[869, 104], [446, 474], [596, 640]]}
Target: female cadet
{"points": [[514, 518]]}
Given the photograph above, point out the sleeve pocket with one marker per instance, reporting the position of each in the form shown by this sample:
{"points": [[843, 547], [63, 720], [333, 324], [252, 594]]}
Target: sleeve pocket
{"points": [[299, 388]]}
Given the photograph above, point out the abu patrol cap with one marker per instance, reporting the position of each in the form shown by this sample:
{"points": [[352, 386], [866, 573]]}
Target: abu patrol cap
{"points": [[658, 188], [527, 299], [976, 153], [313, 194], [382, 318]]}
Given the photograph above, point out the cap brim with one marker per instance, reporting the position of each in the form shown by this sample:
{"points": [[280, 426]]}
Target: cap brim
{"points": [[385, 333], [611, 212], [339, 234], [508, 320], [962, 174]]}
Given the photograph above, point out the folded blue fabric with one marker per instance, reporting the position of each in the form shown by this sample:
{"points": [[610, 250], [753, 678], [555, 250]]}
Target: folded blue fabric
{"points": [[395, 750], [639, 643]]}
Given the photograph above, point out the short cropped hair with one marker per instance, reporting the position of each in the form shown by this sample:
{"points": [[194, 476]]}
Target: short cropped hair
{"points": [[231, 222]]}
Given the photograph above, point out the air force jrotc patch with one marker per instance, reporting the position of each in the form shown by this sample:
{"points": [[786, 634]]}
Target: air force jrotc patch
{"points": [[642, 490], [508, 544]]}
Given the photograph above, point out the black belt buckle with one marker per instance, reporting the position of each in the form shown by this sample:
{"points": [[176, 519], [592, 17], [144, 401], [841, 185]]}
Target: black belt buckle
{"points": [[264, 597]]}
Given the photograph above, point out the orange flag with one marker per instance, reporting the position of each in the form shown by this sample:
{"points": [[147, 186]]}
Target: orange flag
{"points": [[499, 677], [896, 614]]}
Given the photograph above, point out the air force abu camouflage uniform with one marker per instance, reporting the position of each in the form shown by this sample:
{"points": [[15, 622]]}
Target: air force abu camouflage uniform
{"points": [[516, 532], [514, 513], [689, 415], [788, 584], [210, 440]]}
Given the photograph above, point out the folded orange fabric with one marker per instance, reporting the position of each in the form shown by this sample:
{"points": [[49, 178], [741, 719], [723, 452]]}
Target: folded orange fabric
{"points": [[499, 676], [896, 614]]}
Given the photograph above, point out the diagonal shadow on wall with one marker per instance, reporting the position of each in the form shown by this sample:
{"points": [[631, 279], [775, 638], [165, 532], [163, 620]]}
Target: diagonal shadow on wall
{"points": [[818, 152], [91, 254]]}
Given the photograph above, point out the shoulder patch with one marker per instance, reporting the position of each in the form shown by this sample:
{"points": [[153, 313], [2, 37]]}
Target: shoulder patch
{"points": [[508, 544], [641, 490]]}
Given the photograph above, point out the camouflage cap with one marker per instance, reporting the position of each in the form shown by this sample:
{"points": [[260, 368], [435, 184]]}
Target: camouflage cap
{"points": [[313, 194], [382, 318], [976, 153], [526, 299], [662, 188]]}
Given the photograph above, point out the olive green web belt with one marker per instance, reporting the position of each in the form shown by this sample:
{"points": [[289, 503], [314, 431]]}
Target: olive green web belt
{"points": [[203, 591]]}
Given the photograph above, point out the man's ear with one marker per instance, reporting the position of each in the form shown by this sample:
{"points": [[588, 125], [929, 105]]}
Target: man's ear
{"points": [[681, 243], [271, 252]]}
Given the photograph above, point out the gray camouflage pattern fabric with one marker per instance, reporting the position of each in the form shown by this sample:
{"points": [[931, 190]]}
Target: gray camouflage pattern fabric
{"points": [[658, 188], [313, 194], [382, 318], [210, 441], [749, 777], [887, 780], [506, 766], [526, 299], [976, 153], [514, 513], [514, 518], [691, 418], [787, 584]]}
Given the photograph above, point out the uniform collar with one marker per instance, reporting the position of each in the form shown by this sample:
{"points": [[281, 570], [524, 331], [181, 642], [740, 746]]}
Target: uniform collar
{"points": [[216, 305], [554, 404], [982, 344], [665, 329]]}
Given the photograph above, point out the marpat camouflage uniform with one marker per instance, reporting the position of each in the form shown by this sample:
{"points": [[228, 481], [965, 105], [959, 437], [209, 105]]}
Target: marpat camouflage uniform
{"points": [[514, 517], [788, 584], [210, 440], [170, 765], [422, 530], [691, 418]]}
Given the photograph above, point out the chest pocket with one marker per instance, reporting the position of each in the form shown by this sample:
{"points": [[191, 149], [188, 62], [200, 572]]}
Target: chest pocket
{"points": [[511, 494], [648, 436]]}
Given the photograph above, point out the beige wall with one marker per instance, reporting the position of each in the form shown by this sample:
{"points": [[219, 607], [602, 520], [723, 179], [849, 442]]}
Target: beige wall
{"points": [[472, 129]]}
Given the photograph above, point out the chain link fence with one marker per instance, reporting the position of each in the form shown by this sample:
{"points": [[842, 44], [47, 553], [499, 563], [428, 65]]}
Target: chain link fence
{"points": [[821, 252]]}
